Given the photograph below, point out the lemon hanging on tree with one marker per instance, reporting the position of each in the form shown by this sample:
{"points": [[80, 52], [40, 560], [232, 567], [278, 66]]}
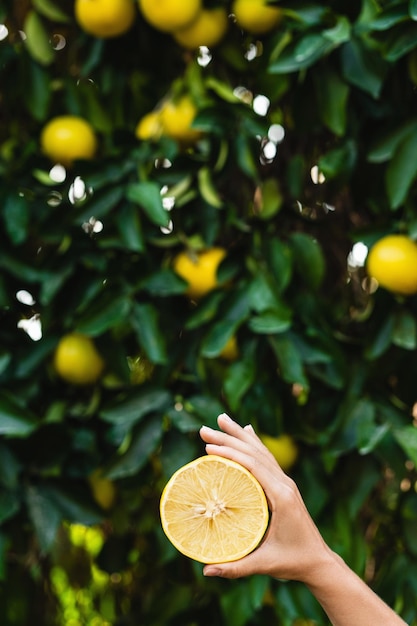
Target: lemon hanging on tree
{"points": [[256, 16], [170, 15], [392, 261], [66, 138], [199, 269], [177, 117], [284, 449], [105, 18], [208, 29], [77, 360]]}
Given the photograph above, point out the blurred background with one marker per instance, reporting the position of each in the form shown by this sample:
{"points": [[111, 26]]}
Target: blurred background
{"points": [[190, 193]]}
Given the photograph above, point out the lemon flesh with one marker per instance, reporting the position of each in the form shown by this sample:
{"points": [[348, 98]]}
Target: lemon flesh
{"points": [[213, 510]]}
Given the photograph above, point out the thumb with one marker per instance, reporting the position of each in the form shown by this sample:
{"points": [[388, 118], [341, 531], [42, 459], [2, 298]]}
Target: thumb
{"points": [[233, 569]]}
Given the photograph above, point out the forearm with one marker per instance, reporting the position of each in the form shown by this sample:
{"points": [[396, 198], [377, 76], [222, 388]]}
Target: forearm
{"points": [[347, 600]]}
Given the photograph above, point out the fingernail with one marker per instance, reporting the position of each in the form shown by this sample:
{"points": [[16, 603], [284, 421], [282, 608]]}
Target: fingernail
{"points": [[225, 416], [211, 571], [249, 427]]}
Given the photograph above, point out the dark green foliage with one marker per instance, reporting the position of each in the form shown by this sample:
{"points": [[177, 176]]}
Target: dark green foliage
{"points": [[322, 357]]}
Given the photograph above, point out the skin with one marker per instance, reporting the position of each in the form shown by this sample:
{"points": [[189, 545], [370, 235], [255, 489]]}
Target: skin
{"points": [[293, 548]]}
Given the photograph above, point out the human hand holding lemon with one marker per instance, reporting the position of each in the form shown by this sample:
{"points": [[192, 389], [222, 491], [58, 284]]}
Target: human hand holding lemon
{"points": [[292, 547]]}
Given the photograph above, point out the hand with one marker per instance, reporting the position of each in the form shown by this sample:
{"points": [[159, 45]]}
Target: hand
{"points": [[292, 548]]}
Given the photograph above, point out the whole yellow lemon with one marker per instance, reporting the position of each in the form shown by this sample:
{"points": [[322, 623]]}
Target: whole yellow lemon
{"points": [[284, 449], [177, 117], [105, 18], [256, 16], [170, 15], [149, 127], [208, 29], [392, 261], [199, 269], [77, 360], [103, 489], [66, 138]]}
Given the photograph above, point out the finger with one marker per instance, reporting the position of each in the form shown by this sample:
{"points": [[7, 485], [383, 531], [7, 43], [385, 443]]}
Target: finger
{"points": [[245, 441], [235, 569]]}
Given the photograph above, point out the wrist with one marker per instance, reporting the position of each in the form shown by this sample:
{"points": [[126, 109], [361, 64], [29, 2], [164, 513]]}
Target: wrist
{"points": [[324, 570]]}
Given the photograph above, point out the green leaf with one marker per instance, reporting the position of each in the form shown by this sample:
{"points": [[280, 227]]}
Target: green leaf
{"points": [[9, 504], [130, 228], [107, 312], [400, 42], [4, 545], [404, 334], [239, 378], [363, 67], [258, 586], [145, 441], [271, 199], [15, 419], [236, 606], [272, 321], [183, 421], [38, 93], [148, 196], [338, 162], [217, 338], [145, 320], [206, 408], [164, 282], [49, 288], [50, 10], [308, 259], [100, 203], [279, 263], [301, 54], [9, 467], [406, 437], [16, 217], [44, 515], [332, 97], [206, 310], [134, 406], [386, 144], [245, 156], [176, 451], [382, 339], [289, 361], [207, 188], [412, 9], [402, 170], [389, 18], [37, 39]]}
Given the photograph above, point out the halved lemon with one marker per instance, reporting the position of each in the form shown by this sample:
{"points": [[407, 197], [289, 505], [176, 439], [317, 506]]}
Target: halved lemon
{"points": [[214, 510]]}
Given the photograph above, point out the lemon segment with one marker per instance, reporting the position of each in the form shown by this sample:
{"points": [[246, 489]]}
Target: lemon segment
{"points": [[213, 510]]}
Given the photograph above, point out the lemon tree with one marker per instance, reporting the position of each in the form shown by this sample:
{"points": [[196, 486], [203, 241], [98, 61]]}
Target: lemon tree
{"points": [[215, 201]]}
